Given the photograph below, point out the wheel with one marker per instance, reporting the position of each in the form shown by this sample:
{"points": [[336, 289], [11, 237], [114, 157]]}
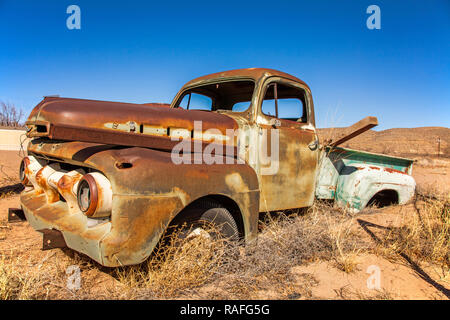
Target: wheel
{"points": [[207, 219]]}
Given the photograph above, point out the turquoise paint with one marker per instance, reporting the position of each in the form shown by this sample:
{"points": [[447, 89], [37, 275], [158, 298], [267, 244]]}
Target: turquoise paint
{"points": [[351, 157], [336, 176]]}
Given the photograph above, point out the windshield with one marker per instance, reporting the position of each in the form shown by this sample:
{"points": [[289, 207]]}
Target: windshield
{"points": [[232, 96]]}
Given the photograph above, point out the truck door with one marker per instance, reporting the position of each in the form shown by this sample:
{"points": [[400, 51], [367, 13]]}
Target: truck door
{"points": [[288, 146]]}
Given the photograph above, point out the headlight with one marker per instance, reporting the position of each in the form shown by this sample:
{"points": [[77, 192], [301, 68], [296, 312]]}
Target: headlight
{"points": [[94, 195], [22, 171]]}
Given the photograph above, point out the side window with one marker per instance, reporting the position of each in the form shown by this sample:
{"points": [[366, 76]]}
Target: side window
{"points": [[241, 106], [268, 104], [290, 108], [289, 101], [195, 101]]}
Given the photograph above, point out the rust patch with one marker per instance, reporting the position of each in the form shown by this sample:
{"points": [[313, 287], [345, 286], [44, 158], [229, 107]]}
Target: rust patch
{"points": [[390, 170], [52, 194], [65, 183]]}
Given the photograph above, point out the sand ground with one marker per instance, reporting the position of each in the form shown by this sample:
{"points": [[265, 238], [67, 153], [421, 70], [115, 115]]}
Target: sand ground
{"points": [[326, 281]]}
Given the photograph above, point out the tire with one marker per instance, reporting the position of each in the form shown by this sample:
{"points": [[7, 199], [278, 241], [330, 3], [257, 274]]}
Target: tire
{"points": [[209, 216]]}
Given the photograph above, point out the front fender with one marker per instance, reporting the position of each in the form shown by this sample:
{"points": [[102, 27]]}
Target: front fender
{"points": [[357, 184], [149, 190]]}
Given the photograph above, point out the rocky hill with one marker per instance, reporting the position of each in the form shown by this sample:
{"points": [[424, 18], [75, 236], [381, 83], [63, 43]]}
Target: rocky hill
{"points": [[409, 142]]}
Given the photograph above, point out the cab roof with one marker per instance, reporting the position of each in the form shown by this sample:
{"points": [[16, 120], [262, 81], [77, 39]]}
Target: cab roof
{"points": [[252, 73]]}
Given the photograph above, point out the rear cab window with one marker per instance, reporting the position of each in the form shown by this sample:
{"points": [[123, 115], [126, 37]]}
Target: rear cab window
{"points": [[285, 102]]}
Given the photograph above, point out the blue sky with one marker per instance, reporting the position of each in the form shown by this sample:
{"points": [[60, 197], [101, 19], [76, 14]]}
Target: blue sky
{"points": [[140, 51]]}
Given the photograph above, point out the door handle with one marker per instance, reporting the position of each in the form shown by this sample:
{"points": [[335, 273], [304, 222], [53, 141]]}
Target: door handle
{"points": [[275, 123], [313, 145]]}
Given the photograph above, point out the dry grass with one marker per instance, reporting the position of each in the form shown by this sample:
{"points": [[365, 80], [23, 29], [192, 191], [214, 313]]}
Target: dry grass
{"points": [[8, 185], [5, 178], [179, 265], [205, 268], [14, 284], [198, 267], [217, 269], [3, 227], [345, 252], [346, 293], [46, 279], [423, 237]]}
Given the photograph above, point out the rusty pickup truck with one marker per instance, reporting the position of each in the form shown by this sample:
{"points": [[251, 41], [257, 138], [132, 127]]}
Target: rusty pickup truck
{"points": [[108, 178]]}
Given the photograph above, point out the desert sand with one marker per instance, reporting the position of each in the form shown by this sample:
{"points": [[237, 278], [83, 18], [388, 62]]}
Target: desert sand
{"points": [[399, 279]]}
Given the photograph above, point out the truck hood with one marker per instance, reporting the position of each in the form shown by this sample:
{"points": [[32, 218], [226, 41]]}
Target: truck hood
{"points": [[145, 125]]}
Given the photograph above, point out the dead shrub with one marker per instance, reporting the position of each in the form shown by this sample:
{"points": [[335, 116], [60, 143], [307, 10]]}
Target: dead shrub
{"points": [[207, 268], [180, 264], [424, 236], [285, 241], [10, 115], [14, 284]]}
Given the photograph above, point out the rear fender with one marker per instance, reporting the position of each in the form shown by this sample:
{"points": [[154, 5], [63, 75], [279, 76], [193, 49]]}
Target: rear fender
{"points": [[358, 183]]}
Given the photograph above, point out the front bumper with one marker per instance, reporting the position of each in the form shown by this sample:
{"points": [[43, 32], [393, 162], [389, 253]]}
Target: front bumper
{"points": [[74, 226]]}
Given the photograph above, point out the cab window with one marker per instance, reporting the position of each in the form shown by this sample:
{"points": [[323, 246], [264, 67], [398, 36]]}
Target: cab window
{"points": [[233, 96], [284, 102], [196, 101]]}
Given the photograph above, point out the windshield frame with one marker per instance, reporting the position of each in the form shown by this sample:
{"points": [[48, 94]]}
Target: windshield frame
{"points": [[179, 97]]}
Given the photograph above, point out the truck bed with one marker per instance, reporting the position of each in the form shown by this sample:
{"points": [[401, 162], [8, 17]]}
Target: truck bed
{"points": [[339, 165]]}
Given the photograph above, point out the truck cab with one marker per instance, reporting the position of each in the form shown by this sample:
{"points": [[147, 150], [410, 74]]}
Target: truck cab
{"points": [[276, 134]]}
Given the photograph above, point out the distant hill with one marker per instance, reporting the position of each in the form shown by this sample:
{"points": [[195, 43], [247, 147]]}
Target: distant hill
{"points": [[408, 142]]}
